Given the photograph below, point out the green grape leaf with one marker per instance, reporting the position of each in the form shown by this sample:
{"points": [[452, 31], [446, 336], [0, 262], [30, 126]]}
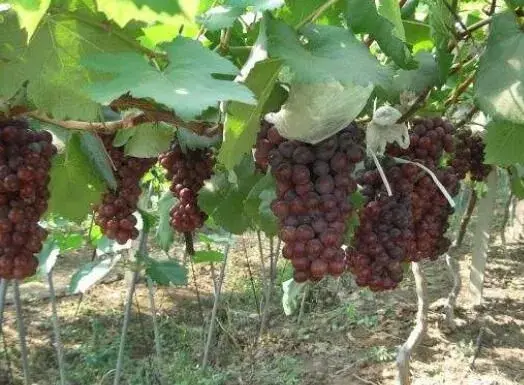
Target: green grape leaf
{"points": [[441, 22], [91, 273], [187, 139], [229, 189], [148, 140], [93, 147], [416, 80], [30, 12], [51, 65], [331, 53], [68, 241], [243, 120], [418, 33], [164, 232], [504, 143], [297, 11], [48, 256], [516, 182], [390, 10], [148, 11], [74, 185], [166, 272], [409, 8], [257, 206], [224, 15], [187, 84], [363, 17], [208, 256], [499, 85]]}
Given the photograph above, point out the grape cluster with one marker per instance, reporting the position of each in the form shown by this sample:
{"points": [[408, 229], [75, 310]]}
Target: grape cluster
{"points": [[115, 214], [313, 184], [385, 234], [187, 171], [25, 160], [469, 156]]}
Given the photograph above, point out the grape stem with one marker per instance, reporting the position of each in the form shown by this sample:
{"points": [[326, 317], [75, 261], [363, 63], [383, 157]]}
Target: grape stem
{"points": [[419, 331], [215, 307]]}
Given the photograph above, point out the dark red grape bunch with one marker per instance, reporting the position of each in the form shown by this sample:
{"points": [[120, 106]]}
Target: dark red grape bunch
{"points": [[115, 214], [25, 161], [187, 171], [385, 237], [429, 139], [469, 156], [312, 205]]}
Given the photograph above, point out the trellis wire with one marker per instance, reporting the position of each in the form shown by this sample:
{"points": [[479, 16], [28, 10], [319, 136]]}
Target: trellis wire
{"points": [[21, 331]]}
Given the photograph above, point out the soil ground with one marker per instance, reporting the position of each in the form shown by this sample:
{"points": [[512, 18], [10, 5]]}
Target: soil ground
{"points": [[345, 336]]}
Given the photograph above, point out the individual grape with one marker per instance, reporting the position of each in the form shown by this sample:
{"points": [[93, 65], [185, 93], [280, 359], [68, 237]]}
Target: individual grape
{"points": [[115, 214], [25, 161]]}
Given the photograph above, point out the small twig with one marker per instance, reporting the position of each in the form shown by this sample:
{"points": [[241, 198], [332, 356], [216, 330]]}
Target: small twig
{"points": [[460, 90], [473, 27], [251, 278], [418, 332], [215, 307], [156, 329], [363, 380], [473, 199], [505, 220], [492, 8], [316, 13], [478, 346], [467, 117], [459, 20], [419, 101], [21, 331], [303, 304]]}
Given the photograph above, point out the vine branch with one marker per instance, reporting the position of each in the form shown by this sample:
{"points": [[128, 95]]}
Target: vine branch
{"points": [[415, 105]]}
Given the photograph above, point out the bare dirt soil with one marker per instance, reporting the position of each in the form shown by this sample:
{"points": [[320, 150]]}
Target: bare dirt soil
{"points": [[345, 336]]}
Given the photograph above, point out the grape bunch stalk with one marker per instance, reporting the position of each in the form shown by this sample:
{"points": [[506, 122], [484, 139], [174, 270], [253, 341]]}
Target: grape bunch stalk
{"points": [[187, 171], [25, 161], [313, 186], [115, 214]]}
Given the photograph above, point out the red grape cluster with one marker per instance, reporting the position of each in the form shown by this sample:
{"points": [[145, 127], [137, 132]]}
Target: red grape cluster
{"points": [[313, 187], [410, 225], [115, 214], [25, 161], [469, 156], [385, 234], [187, 171]]}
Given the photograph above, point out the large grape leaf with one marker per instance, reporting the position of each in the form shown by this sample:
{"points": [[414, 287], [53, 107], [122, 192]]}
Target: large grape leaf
{"points": [[146, 140], [92, 272], [187, 84], [441, 22], [164, 232], [297, 11], [166, 272], [243, 121], [74, 184], [224, 15], [30, 12], [257, 206], [149, 11], [93, 147], [223, 196], [504, 143], [331, 53], [51, 65], [363, 17], [499, 85]]}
